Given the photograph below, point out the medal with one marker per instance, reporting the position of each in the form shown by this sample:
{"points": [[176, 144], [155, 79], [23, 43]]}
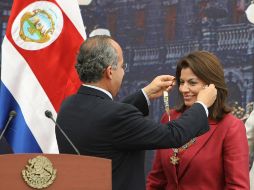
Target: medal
{"points": [[174, 159]]}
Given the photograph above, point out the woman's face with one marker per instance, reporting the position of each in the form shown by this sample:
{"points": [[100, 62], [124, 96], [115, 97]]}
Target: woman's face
{"points": [[190, 85]]}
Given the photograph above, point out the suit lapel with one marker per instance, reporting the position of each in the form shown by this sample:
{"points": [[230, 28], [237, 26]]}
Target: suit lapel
{"points": [[188, 155]]}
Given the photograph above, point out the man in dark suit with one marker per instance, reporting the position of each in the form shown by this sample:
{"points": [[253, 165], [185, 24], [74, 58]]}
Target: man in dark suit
{"points": [[5, 147], [99, 126]]}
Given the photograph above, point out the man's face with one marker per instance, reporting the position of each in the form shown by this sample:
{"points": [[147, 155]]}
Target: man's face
{"points": [[118, 73]]}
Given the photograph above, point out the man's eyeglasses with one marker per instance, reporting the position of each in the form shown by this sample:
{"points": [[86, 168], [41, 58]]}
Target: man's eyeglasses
{"points": [[124, 66]]}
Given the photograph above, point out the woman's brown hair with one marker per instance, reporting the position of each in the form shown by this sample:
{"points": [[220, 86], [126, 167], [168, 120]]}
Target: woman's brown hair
{"points": [[207, 67]]}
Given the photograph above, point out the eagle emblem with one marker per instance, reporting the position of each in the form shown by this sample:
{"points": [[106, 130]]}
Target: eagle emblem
{"points": [[39, 172]]}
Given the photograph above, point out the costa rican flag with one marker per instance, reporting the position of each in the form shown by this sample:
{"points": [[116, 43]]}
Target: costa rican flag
{"points": [[38, 57]]}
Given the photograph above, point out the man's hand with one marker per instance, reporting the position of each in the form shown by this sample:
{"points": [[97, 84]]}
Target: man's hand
{"points": [[207, 95], [158, 85]]}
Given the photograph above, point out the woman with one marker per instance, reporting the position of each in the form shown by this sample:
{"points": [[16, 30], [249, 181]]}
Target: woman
{"points": [[217, 160]]}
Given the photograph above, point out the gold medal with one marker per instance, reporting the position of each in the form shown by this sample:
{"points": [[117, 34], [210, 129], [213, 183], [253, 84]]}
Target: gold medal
{"points": [[174, 159]]}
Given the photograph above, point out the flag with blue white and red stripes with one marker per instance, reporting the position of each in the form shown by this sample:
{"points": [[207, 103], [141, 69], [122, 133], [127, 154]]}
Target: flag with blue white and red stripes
{"points": [[37, 72]]}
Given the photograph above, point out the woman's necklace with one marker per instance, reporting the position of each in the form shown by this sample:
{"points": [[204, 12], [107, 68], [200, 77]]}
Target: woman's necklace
{"points": [[174, 159]]}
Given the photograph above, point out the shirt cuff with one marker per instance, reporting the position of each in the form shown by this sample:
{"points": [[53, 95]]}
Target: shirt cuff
{"points": [[147, 99], [204, 106]]}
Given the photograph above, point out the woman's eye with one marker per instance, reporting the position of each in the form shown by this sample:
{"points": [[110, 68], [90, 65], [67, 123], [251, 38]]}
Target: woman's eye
{"points": [[192, 83]]}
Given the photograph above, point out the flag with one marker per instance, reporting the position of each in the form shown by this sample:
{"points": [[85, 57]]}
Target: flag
{"points": [[37, 73]]}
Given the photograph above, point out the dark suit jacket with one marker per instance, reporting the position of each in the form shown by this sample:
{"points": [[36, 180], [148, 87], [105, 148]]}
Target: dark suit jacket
{"points": [[104, 128], [5, 147]]}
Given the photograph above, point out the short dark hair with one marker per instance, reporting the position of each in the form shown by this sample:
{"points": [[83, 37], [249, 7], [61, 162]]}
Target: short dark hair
{"points": [[95, 54], [207, 67]]}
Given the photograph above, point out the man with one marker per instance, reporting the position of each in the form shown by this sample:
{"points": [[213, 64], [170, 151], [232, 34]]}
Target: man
{"points": [[249, 124], [4, 146], [101, 127]]}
